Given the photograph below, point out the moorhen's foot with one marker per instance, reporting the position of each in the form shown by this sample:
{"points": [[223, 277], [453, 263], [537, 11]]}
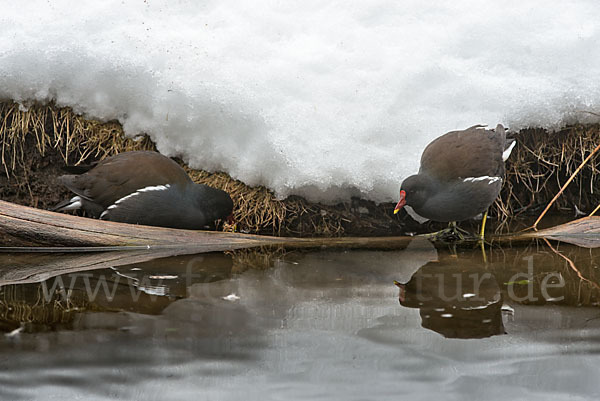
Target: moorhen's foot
{"points": [[452, 234]]}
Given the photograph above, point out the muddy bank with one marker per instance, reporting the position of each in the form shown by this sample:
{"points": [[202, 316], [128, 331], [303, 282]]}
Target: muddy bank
{"points": [[37, 142]]}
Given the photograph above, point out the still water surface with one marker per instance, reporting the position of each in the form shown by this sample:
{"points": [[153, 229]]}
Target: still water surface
{"points": [[521, 324]]}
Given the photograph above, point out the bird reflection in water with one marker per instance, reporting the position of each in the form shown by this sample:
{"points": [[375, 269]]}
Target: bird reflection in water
{"points": [[456, 298]]}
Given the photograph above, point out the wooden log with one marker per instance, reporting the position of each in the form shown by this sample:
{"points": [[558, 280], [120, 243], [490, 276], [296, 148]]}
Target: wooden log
{"points": [[35, 227], [66, 233], [584, 232], [45, 228]]}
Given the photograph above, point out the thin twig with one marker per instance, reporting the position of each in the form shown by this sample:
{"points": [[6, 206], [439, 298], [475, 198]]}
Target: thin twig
{"points": [[565, 186], [572, 265]]}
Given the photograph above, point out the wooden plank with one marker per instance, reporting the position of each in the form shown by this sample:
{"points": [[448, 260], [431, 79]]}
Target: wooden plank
{"points": [[584, 232], [42, 227], [66, 233]]}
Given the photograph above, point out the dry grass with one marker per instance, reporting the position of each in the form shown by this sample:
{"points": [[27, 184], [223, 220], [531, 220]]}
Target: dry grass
{"points": [[541, 163], [73, 136], [256, 208], [261, 258], [35, 142], [29, 304]]}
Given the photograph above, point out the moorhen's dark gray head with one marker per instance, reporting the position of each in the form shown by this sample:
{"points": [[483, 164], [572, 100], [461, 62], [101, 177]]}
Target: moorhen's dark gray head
{"points": [[415, 190], [217, 203]]}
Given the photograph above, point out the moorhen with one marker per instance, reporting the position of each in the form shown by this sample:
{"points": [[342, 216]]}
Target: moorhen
{"points": [[460, 175], [144, 188]]}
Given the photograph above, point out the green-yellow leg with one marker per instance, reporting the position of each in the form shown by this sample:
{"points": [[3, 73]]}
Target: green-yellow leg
{"points": [[481, 237], [482, 232], [482, 246]]}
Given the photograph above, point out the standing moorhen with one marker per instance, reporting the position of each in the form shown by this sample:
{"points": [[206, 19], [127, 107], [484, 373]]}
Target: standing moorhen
{"points": [[460, 175], [144, 188]]}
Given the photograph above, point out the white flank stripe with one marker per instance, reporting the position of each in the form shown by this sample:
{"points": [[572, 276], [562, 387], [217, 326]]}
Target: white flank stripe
{"points": [[139, 191], [155, 188], [506, 153], [104, 213], [146, 189], [131, 195], [490, 180]]}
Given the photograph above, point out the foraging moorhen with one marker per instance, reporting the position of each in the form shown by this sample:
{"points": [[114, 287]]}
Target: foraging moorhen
{"points": [[460, 175], [144, 188]]}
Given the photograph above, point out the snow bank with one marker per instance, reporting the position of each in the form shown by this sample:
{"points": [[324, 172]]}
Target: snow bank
{"points": [[322, 99]]}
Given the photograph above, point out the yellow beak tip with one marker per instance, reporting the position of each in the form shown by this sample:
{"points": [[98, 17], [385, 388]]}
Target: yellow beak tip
{"points": [[396, 211]]}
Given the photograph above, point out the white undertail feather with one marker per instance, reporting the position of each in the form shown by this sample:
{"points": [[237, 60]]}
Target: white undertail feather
{"points": [[506, 153], [131, 195], [74, 204]]}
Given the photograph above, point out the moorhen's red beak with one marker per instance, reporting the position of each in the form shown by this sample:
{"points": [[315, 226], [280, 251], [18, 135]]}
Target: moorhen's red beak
{"points": [[401, 202]]}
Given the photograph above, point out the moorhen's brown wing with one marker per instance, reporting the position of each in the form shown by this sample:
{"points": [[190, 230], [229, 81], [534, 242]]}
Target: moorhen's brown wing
{"points": [[473, 152], [120, 175]]}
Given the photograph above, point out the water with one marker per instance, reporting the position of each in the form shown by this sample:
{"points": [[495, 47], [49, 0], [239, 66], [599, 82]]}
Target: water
{"points": [[329, 324]]}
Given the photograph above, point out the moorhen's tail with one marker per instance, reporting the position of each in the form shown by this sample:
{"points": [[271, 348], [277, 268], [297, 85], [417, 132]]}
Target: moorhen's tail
{"points": [[76, 203], [73, 203], [509, 141], [508, 147], [68, 204]]}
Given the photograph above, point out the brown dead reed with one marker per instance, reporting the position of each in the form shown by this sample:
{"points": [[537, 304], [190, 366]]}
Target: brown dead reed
{"points": [[541, 164]]}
